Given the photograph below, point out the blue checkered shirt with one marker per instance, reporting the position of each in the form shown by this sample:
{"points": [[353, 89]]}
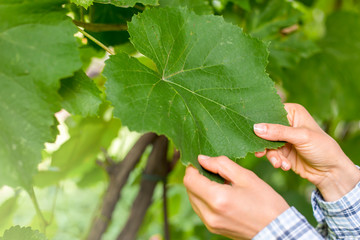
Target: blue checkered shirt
{"points": [[336, 220]]}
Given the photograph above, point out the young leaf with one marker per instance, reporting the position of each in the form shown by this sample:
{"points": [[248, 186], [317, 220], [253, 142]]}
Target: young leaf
{"points": [[79, 153], [209, 90], [80, 95], [21, 233], [83, 3], [37, 50]]}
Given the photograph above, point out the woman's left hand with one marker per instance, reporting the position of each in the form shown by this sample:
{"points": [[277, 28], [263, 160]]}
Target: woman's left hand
{"points": [[239, 209]]}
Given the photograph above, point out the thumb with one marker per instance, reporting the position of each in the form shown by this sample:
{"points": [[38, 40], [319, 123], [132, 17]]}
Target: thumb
{"points": [[277, 132], [223, 166]]}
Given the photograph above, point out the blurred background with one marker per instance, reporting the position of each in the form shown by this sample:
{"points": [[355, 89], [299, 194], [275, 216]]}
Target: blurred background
{"points": [[314, 59]]}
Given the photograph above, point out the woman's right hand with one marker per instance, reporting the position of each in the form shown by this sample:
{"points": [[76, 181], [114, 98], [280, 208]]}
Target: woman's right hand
{"points": [[309, 152]]}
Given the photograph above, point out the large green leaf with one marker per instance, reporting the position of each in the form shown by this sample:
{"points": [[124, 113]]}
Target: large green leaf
{"points": [[328, 83], [209, 90], [22, 233], [37, 49]]}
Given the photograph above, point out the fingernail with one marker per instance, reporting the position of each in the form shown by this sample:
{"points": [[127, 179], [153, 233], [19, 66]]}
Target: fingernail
{"points": [[260, 128], [203, 157], [273, 160], [284, 165]]}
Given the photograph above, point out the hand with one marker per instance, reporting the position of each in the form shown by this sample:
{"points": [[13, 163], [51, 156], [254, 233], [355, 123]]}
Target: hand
{"points": [[237, 210], [310, 152]]}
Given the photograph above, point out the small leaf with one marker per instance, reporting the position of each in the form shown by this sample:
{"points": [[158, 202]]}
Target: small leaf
{"points": [[22, 233], [78, 154], [7, 210], [83, 3], [209, 90], [80, 95]]}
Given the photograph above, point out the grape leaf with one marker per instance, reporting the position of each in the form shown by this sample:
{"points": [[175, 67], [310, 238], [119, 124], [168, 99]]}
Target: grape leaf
{"points": [[128, 3], [37, 50], [198, 6], [209, 90], [80, 95], [21, 233]]}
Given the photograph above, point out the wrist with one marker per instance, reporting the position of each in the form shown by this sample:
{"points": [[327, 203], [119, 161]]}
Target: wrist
{"points": [[339, 181]]}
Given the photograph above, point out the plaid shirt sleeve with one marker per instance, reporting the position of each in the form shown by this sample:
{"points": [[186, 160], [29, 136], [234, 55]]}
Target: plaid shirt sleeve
{"points": [[290, 225], [339, 219]]}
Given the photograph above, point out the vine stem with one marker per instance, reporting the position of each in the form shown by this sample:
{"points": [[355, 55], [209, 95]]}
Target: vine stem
{"points": [[37, 208], [165, 211], [97, 42]]}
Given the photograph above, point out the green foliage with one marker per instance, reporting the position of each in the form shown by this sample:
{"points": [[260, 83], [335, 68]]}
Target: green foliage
{"points": [[110, 14], [198, 85], [127, 3], [80, 95], [21, 233], [330, 78], [83, 3], [77, 156], [119, 3], [198, 6], [33, 34], [197, 79], [7, 210]]}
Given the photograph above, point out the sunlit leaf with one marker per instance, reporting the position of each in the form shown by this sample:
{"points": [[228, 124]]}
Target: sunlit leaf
{"points": [[209, 90], [37, 50]]}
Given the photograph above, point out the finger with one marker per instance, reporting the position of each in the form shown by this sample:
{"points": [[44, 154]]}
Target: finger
{"points": [[196, 203], [260, 154], [277, 132], [200, 185], [277, 159], [285, 150], [285, 162], [223, 166], [274, 158], [298, 116]]}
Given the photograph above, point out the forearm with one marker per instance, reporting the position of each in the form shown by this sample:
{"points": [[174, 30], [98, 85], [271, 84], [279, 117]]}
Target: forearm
{"points": [[339, 180]]}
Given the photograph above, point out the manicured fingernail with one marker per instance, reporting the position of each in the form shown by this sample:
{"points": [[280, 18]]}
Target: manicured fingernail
{"points": [[273, 160], [260, 128], [203, 157], [284, 165]]}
